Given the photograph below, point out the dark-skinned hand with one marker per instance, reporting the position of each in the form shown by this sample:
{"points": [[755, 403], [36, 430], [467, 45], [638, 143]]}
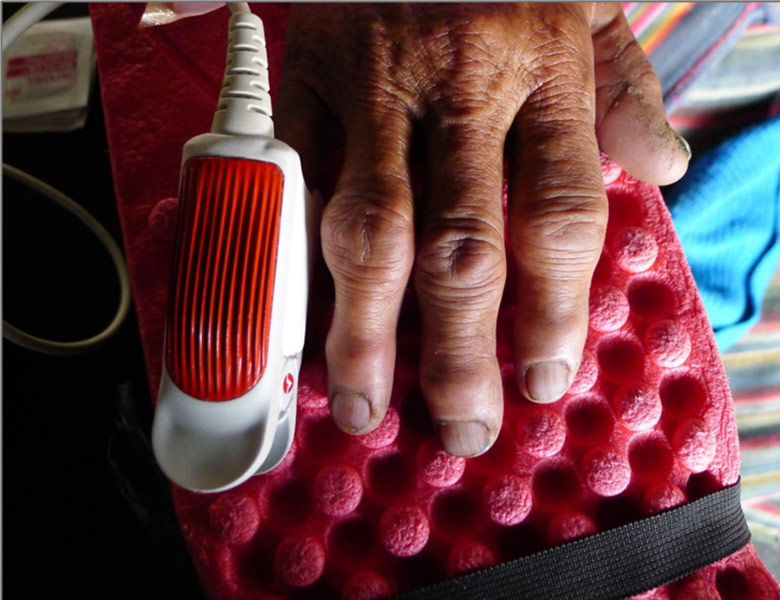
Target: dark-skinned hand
{"points": [[557, 82]]}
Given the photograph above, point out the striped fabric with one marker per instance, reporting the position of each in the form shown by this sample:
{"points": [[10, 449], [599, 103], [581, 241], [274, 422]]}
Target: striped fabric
{"points": [[750, 72], [753, 368], [651, 22], [717, 63], [737, 92], [684, 40]]}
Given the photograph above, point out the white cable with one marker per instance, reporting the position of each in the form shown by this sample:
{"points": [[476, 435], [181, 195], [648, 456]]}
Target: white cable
{"points": [[38, 344], [24, 18], [15, 26], [244, 106], [238, 8]]}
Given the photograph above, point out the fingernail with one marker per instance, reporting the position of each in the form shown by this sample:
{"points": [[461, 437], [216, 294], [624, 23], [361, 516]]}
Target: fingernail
{"points": [[468, 438], [684, 144], [351, 412], [547, 381]]}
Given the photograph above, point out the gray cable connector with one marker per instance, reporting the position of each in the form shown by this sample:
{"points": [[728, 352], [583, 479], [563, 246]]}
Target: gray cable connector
{"points": [[244, 104]]}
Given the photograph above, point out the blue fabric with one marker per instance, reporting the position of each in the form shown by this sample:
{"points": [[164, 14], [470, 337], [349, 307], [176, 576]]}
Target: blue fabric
{"points": [[727, 214]]}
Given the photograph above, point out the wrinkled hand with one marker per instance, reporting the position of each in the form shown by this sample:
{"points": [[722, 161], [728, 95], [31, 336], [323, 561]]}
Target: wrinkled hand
{"points": [[554, 82]]}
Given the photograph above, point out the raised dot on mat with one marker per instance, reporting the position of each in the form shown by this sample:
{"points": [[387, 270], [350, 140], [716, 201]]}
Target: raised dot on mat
{"points": [[385, 433], [695, 444], [507, 499], [162, 219], [637, 406], [608, 308], [366, 585], [589, 420], [299, 559], [404, 529], [587, 373], [634, 249], [337, 490], [682, 394], [313, 386], [650, 456], [436, 467], [469, 556], [621, 358], [234, 518], [541, 432], [662, 496], [667, 343], [606, 471], [569, 525]]}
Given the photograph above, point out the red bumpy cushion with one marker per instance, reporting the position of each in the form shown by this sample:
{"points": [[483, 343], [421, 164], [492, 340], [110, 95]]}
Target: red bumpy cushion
{"points": [[647, 425]]}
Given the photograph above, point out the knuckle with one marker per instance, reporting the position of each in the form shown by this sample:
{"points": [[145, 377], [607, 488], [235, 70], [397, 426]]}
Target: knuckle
{"points": [[366, 241], [462, 259]]}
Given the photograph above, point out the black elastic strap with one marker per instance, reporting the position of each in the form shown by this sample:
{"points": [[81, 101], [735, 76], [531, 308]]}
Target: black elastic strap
{"points": [[615, 564]]}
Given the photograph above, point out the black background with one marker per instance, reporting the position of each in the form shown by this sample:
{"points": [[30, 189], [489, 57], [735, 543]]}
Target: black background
{"points": [[73, 524]]}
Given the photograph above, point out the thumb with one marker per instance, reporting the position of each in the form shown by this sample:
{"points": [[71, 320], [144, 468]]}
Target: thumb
{"points": [[631, 123]]}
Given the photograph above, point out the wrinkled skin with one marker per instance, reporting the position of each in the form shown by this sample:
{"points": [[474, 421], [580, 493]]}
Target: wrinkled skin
{"points": [[553, 82]]}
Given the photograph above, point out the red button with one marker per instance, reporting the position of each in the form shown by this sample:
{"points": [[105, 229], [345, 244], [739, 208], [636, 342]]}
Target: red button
{"points": [[287, 384]]}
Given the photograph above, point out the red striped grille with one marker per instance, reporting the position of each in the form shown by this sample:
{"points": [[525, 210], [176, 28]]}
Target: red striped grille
{"points": [[219, 312]]}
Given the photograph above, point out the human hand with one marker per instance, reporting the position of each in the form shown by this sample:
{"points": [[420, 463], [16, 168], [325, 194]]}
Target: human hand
{"points": [[552, 81]]}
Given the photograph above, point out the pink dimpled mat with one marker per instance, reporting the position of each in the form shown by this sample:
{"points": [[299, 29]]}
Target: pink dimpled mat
{"points": [[647, 425]]}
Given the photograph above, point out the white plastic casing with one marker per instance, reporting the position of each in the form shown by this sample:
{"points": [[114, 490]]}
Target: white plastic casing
{"points": [[213, 446]]}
